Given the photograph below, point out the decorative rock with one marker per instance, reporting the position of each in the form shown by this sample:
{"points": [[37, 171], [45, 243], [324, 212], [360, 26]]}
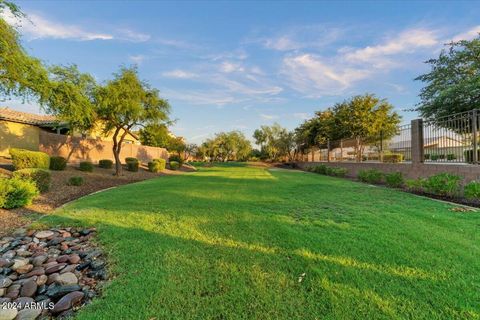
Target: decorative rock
{"points": [[2, 291], [56, 291], [28, 314], [67, 278], [44, 234], [52, 278], [8, 314], [17, 263], [38, 261], [5, 282], [97, 264], [62, 259], [74, 258], [69, 268], [55, 268], [38, 271], [28, 288], [41, 280], [5, 263], [24, 269], [23, 253], [68, 301], [9, 254]]}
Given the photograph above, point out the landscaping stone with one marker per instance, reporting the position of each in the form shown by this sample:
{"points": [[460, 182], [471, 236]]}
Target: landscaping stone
{"points": [[57, 266]]}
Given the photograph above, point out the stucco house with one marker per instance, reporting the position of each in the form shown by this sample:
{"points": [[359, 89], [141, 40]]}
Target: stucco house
{"points": [[22, 130]]}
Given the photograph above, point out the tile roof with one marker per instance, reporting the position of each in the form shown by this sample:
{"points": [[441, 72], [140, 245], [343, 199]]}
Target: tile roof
{"points": [[28, 118]]}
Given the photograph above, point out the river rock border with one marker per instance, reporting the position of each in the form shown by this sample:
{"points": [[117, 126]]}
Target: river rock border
{"points": [[49, 273]]}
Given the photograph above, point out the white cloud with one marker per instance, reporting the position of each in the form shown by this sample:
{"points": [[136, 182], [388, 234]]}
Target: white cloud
{"points": [[38, 27], [268, 116], [179, 74], [229, 67], [467, 35], [214, 98], [406, 42], [316, 76], [138, 59]]}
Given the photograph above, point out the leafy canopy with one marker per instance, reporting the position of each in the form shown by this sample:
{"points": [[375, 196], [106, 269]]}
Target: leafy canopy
{"points": [[453, 83]]}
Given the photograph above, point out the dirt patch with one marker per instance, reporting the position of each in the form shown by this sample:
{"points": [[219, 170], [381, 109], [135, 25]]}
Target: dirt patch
{"points": [[60, 192]]}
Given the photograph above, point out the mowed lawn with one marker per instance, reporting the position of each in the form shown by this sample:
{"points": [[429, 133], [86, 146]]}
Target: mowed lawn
{"points": [[238, 242]]}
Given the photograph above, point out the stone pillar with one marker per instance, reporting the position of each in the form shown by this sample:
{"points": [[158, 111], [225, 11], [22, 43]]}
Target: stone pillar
{"points": [[417, 141]]}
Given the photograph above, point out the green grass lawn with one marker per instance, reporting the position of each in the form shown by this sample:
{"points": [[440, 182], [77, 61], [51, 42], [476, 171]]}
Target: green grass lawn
{"points": [[237, 242]]}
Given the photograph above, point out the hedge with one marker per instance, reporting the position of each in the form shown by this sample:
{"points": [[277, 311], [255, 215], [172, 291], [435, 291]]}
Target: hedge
{"points": [[76, 181], [174, 165], [105, 164], [58, 163], [86, 166], [132, 166], [16, 192], [393, 157], [176, 158], [23, 159], [156, 165], [40, 177]]}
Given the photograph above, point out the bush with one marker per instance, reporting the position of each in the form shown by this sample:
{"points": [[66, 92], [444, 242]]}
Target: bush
{"points": [[174, 165], [416, 185], [451, 156], [40, 177], [469, 155], [58, 163], [86, 166], [337, 172], [130, 159], [372, 176], [394, 179], [105, 164], [443, 184], [426, 156], [16, 192], [434, 157], [176, 158], [157, 165], [23, 159], [393, 157], [321, 169], [472, 190], [76, 181], [133, 166]]}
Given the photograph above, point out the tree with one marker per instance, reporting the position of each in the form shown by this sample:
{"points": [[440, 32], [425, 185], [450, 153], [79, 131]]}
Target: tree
{"points": [[274, 141], [453, 83], [20, 74], [366, 119], [176, 144], [191, 149], [155, 135], [226, 146], [125, 103]]}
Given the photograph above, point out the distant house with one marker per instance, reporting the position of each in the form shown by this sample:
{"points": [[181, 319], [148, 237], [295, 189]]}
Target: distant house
{"points": [[22, 130]]}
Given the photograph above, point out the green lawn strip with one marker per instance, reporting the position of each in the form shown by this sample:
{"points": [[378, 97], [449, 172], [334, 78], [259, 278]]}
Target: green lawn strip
{"points": [[237, 242]]}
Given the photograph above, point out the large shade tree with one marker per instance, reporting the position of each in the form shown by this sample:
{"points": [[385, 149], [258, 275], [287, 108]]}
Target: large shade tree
{"points": [[226, 146], [453, 83], [126, 102]]}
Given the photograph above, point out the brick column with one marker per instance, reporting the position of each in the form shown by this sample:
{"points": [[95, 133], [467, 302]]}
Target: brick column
{"points": [[417, 141]]}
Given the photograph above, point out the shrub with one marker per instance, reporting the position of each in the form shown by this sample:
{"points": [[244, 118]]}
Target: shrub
{"points": [[370, 176], [338, 172], [133, 166], [86, 166], [58, 163], [157, 165], [23, 159], [393, 157], [434, 157], [76, 181], [416, 185], [174, 165], [321, 169], [130, 159], [105, 164], [472, 190], [443, 184], [16, 192], [176, 158], [469, 155], [451, 156], [426, 156], [40, 177], [394, 179]]}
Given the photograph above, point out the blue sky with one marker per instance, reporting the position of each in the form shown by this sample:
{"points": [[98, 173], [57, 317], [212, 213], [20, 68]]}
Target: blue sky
{"points": [[237, 65]]}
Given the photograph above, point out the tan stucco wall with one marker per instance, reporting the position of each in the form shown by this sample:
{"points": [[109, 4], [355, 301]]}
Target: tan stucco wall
{"points": [[18, 135], [97, 133]]}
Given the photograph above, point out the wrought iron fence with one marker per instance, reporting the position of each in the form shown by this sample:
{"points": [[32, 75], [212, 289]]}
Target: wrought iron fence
{"points": [[450, 139]]}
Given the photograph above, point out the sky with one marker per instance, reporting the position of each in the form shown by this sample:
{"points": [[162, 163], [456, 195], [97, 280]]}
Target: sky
{"points": [[241, 64]]}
